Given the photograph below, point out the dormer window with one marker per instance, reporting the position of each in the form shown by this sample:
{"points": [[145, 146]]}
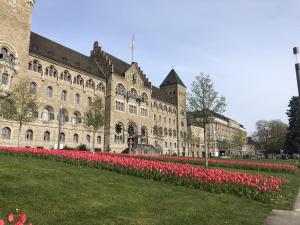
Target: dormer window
{"points": [[134, 79]]}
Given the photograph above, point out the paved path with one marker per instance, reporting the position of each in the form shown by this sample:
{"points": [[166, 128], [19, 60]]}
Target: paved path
{"points": [[284, 217]]}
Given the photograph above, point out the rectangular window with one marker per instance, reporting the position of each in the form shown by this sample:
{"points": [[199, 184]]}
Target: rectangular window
{"points": [[120, 106], [132, 109], [144, 112]]}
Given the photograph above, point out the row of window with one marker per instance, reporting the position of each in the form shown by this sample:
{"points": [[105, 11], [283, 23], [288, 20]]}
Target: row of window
{"points": [[158, 119], [132, 109], [7, 55], [132, 93], [171, 145], [164, 132], [163, 108], [65, 76], [6, 134]]}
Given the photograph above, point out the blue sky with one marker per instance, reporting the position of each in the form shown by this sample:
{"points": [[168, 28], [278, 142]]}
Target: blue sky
{"points": [[245, 45]]}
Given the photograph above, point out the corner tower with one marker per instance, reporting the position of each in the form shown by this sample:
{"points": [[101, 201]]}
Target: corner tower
{"points": [[15, 26], [176, 90]]}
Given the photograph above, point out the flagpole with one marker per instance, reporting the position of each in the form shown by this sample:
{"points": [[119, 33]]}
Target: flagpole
{"points": [[132, 47]]}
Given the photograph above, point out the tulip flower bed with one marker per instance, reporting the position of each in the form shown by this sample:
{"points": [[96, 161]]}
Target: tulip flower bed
{"points": [[259, 187], [270, 167], [11, 220]]}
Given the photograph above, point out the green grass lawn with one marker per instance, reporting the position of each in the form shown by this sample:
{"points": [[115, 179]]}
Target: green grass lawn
{"points": [[56, 193]]}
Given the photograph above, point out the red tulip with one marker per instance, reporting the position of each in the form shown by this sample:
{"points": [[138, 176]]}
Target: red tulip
{"points": [[2, 222], [22, 218], [11, 218]]}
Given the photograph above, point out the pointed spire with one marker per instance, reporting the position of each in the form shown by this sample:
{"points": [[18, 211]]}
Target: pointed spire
{"points": [[172, 78]]}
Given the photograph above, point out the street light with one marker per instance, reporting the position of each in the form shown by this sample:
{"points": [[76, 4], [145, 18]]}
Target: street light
{"points": [[297, 66]]}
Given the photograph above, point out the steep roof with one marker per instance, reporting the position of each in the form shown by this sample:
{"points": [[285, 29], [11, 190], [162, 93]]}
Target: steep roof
{"points": [[52, 50], [162, 95], [172, 78]]}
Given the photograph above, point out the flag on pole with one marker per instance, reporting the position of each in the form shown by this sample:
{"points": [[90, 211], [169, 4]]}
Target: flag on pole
{"points": [[132, 42]]}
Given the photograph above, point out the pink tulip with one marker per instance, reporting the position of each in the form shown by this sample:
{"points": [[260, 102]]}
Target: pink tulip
{"points": [[22, 218], [2, 222], [10, 218]]}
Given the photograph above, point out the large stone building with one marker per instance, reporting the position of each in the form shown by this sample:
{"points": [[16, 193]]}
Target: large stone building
{"points": [[66, 81]]}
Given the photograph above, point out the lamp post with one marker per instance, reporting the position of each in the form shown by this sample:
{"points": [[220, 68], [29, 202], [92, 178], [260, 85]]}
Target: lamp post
{"points": [[297, 66]]}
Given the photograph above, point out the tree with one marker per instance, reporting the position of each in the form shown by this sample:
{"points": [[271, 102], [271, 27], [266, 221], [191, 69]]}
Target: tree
{"points": [[20, 106], [188, 139], [94, 117], [292, 144], [158, 134], [206, 100], [270, 135], [239, 140]]}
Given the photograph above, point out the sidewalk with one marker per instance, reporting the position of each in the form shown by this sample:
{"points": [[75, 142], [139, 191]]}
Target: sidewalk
{"points": [[284, 217]]}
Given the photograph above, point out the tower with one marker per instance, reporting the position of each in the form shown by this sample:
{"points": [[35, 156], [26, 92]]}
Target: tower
{"points": [[176, 90], [15, 26]]}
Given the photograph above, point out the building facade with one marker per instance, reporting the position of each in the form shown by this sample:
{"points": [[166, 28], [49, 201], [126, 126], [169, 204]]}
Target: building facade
{"points": [[64, 80], [136, 112]]}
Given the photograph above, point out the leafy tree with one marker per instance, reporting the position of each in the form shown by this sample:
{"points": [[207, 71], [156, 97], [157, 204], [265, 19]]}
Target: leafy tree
{"points": [[20, 106], [270, 135], [292, 144], [188, 139], [205, 100], [239, 140], [158, 134], [94, 117]]}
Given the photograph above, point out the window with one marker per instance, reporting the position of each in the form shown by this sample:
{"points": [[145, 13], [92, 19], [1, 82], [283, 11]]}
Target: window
{"points": [[46, 136], [132, 109], [89, 101], [3, 53], [166, 144], [62, 137], [166, 132], [76, 118], [120, 106], [75, 138], [64, 116], [88, 138], [32, 88], [144, 97], [90, 84], [63, 96], [6, 132], [51, 71], [77, 98], [47, 114], [120, 90], [66, 76], [174, 133], [133, 93], [100, 87], [155, 117], [29, 135], [169, 120], [165, 119], [4, 79], [119, 133], [35, 66], [49, 92], [170, 144], [98, 140], [159, 119], [175, 145], [170, 132], [144, 112], [78, 80]]}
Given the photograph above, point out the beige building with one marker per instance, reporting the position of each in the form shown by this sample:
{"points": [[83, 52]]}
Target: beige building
{"points": [[136, 111], [219, 129]]}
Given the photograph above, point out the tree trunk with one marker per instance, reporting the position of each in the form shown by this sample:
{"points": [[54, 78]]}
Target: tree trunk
{"points": [[93, 144], [205, 146], [19, 132]]}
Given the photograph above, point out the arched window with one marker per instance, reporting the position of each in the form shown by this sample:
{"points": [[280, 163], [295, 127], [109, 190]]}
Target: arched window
{"points": [[144, 97], [29, 135], [51, 71], [170, 110], [155, 104], [120, 89], [62, 137], [77, 98], [119, 133], [100, 87], [3, 53], [98, 140], [47, 114], [144, 131], [6, 133], [88, 138], [133, 93], [4, 79], [89, 101], [160, 106], [78, 80], [165, 108], [76, 118], [66, 76], [32, 88], [90, 84], [155, 118], [166, 132], [174, 111], [170, 132], [75, 138], [174, 133], [47, 136], [63, 96], [160, 131], [35, 66], [49, 92]]}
